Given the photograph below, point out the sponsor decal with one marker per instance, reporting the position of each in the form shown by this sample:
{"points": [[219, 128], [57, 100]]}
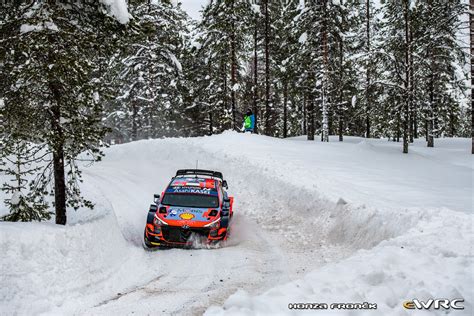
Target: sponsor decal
{"points": [[173, 212], [194, 211], [434, 304], [181, 210], [192, 190], [186, 216]]}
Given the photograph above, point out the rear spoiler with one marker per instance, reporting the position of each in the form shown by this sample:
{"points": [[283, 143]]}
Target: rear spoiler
{"points": [[196, 172]]}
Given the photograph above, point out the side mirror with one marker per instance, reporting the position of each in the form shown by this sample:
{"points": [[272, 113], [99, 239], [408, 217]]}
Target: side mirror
{"points": [[224, 184], [153, 208], [156, 198]]}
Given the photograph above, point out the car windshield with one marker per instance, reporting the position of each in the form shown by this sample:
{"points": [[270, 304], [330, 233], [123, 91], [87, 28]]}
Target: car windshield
{"points": [[190, 200]]}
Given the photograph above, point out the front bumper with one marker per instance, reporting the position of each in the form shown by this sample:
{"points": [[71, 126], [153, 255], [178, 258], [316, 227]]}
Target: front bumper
{"points": [[175, 236]]}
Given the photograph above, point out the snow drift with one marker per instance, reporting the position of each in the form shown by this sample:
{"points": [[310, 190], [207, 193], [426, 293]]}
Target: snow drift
{"points": [[314, 223], [46, 267]]}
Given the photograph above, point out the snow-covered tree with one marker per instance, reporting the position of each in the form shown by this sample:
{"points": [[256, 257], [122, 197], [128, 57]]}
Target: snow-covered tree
{"points": [[25, 203], [219, 45], [53, 54], [149, 101], [439, 60]]}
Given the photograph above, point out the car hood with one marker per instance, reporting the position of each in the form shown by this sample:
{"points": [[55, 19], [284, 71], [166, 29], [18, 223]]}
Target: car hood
{"points": [[187, 213]]}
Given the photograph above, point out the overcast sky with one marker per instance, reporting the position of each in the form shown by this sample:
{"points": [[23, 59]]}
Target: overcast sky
{"points": [[192, 7]]}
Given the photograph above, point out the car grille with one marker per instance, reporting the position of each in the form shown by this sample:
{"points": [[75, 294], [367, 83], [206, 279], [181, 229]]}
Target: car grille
{"points": [[178, 234]]}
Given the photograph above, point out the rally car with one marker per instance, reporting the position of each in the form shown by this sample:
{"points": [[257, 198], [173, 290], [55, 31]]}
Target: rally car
{"points": [[195, 203]]}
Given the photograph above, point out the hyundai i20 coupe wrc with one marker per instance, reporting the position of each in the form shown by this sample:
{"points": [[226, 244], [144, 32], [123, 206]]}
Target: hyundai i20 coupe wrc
{"points": [[195, 203]]}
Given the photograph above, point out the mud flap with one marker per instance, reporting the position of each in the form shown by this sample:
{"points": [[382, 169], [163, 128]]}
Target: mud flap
{"points": [[150, 217], [225, 221]]}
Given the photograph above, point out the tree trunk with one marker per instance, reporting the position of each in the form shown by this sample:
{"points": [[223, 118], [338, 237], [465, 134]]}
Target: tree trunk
{"points": [[412, 104], [211, 123], [330, 115], [305, 117], [255, 75], [285, 109], [426, 128], [430, 114], [398, 126], [58, 163], [367, 88], [233, 70], [267, 69], [471, 22], [340, 110], [415, 124], [59, 186], [224, 87], [406, 114], [325, 131], [341, 128], [134, 120], [410, 126], [292, 107], [150, 123], [310, 119]]}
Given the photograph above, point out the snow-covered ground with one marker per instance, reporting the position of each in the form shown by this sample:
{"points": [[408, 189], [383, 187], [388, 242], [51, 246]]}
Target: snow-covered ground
{"points": [[315, 222]]}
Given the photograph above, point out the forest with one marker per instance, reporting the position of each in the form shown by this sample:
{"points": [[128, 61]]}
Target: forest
{"points": [[75, 78]]}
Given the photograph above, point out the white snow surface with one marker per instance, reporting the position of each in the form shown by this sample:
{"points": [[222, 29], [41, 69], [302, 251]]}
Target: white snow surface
{"points": [[176, 62], [402, 229], [118, 9], [303, 38], [16, 198], [26, 28]]}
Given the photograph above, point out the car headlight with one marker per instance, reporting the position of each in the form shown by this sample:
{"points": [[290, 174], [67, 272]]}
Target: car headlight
{"points": [[213, 224], [158, 221]]}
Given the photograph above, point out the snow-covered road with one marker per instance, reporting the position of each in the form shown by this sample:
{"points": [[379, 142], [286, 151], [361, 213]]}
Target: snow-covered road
{"points": [[187, 282], [288, 226]]}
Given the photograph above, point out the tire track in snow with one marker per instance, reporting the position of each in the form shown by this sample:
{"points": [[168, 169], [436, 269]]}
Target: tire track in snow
{"points": [[241, 264], [279, 230]]}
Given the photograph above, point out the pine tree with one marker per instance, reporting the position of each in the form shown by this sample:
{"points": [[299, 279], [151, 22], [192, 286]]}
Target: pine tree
{"points": [[150, 72], [53, 66], [309, 61], [439, 52], [255, 18], [396, 52], [221, 46], [25, 204], [282, 51], [363, 41]]}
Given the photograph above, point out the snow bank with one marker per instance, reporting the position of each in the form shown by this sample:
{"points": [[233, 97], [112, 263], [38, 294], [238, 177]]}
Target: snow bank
{"points": [[432, 260], [46, 267], [370, 223], [405, 251], [362, 171]]}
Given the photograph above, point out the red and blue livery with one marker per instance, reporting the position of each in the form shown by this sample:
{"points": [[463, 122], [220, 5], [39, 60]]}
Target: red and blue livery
{"points": [[194, 203]]}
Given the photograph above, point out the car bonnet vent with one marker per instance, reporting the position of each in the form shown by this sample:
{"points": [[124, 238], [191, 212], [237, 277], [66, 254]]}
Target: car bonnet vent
{"points": [[213, 213], [163, 210]]}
